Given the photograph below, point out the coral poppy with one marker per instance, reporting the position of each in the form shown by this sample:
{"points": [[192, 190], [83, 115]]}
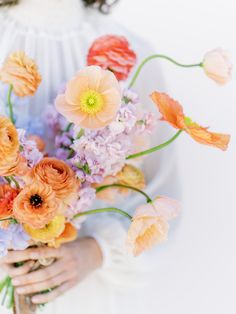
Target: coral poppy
{"points": [[92, 98], [150, 224], [49, 232], [36, 205], [22, 73], [59, 176], [7, 196], [68, 235], [172, 112], [113, 53]]}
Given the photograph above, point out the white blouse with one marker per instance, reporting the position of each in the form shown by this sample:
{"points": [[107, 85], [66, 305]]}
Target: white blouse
{"points": [[57, 34]]}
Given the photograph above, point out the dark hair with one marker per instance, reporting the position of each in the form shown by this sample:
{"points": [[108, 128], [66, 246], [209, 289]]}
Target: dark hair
{"points": [[103, 6]]}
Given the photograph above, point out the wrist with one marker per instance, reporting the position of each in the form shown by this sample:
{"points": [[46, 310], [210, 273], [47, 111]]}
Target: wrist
{"points": [[95, 255]]}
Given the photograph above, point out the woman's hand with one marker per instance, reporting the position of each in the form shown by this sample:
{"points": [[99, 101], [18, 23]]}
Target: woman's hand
{"points": [[74, 262]]}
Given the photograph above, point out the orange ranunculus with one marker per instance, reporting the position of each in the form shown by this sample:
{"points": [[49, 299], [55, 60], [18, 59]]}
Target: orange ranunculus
{"points": [[68, 235], [113, 53], [7, 196], [49, 232], [150, 224], [39, 142], [9, 147], [59, 176], [36, 205], [132, 176], [22, 73], [172, 112], [92, 98]]}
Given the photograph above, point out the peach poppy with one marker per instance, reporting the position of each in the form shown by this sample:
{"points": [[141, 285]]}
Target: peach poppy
{"points": [[172, 112], [92, 98], [7, 196], [113, 53], [22, 73], [150, 224], [9, 147], [36, 205], [68, 235], [47, 233], [132, 176], [217, 66], [59, 176], [39, 142]]}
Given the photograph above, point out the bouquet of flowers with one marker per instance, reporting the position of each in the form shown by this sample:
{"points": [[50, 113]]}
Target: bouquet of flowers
{"points": [[98, 128]]}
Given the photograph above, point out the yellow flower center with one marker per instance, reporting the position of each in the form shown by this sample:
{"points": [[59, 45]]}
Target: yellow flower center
{"points": [[188, 120], [91, 102]]}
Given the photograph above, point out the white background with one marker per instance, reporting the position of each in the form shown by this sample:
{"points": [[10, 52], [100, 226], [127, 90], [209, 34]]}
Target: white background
{"points": [[198, 271]]}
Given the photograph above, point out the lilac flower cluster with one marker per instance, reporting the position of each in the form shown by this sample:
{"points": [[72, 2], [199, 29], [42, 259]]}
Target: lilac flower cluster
{"points": [[95, 154], [14, 238], [29, 149]]}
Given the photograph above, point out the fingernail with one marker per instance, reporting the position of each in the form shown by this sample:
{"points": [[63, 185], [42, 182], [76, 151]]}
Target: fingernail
{"points": [[35, 299], [34, 255], [20, 290], [15, 282]]}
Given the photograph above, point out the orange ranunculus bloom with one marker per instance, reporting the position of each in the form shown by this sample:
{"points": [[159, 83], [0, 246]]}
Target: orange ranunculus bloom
{"points": [[7, 196], [150, 224], [172, 112], [22, 73], [113, 53], [68, 235], [36, 205], [92, 98], [39, 142], [9, 147], [59, 176], [48, 233]]}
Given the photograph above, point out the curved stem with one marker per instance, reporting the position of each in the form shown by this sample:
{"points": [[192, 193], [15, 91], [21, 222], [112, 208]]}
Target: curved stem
{"points": [[15, 182], [156, 148], [104, 187], [5, 219], [103, 210], [9, 103], [160, 57]]}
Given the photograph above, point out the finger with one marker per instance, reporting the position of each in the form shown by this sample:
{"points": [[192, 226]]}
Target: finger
{"points": [[44, 285], [31, 254], [13, 271], [47, 297], [40, 275]]}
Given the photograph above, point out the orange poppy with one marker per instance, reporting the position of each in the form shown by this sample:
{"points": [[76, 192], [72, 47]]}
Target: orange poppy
{"points": [[172, 112]]}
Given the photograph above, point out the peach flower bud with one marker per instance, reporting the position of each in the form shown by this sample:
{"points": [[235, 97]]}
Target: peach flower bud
{"points": [[22, 73], [218, 66], [131, 175], [150, 224]]}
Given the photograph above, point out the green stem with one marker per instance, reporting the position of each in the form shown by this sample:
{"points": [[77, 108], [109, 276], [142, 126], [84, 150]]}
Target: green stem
{"points": [[8, 280], [145, 61], [9, 103], [117, 185], [15, 182], [8, 180], [156, 148], [10, 301], [68, 127], [5, 219], [3, 283], [103, 210]]}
